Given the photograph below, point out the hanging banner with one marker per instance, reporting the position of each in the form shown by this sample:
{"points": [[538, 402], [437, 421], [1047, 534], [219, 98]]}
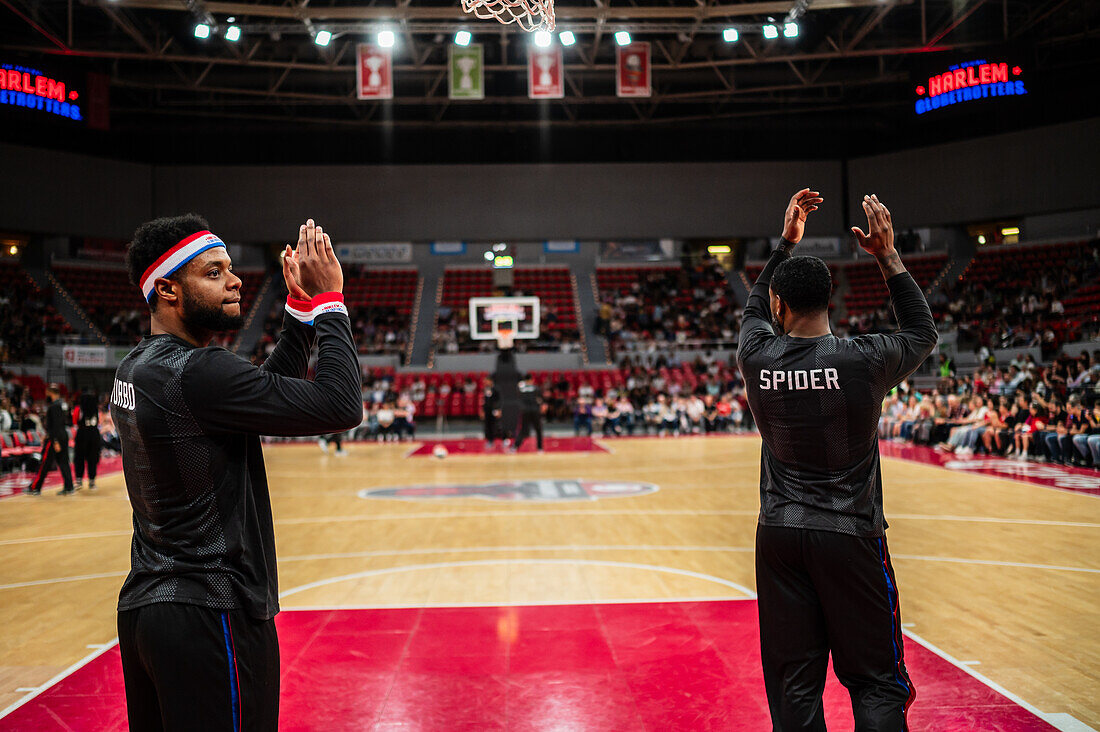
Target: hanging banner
{"points": [[467, 71], [632, 79], [374, 72], [545, 73]]}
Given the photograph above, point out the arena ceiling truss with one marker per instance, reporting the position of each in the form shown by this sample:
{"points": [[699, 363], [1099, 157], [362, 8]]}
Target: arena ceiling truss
{"points": [[849, 54]]}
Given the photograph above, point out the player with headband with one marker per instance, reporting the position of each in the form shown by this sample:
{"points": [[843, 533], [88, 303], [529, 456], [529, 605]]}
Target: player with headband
{"points": [[196, 614]]}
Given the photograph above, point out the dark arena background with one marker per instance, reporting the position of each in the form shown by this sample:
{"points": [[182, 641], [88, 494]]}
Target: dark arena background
{"points": [[614, 187]]}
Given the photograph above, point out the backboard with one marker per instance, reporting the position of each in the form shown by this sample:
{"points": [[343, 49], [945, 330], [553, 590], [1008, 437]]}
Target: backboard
{"points": [[490, 315]]}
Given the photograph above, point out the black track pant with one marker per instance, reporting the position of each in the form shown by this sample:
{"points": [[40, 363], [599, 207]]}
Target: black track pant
{"points": [[49, 458], [529, 422], [194, 668], [86, 451], [821, 591]]}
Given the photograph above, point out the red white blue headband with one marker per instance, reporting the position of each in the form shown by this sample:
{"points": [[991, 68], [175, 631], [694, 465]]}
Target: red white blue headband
{"points": [[179, 255]]}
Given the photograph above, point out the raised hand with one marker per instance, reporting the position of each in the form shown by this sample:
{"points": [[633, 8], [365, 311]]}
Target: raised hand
{"points": [[880, 241], [317, 269], [292, 275], [794, 220]]}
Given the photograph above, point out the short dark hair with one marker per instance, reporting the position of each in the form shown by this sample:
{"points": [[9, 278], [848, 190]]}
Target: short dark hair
{"points": [[154, 238], [804, 284]]}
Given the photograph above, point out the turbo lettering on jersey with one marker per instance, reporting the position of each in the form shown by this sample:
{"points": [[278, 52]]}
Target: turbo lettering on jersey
{"points": [[814, 379], [122, 395], [967, 82]]}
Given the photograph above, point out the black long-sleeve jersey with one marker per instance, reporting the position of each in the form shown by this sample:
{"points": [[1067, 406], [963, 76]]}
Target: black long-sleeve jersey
{"points": [[57, 421], [189, 420], [817, 402]]}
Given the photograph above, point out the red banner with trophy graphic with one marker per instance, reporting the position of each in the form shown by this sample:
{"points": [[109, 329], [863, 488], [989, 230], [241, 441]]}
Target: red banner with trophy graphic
{"points": [[545, 73], [374, 72], [633, 78]]}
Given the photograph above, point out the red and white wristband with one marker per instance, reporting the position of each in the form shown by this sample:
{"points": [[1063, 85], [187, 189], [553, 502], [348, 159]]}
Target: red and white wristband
{"points": [[306, 311]]}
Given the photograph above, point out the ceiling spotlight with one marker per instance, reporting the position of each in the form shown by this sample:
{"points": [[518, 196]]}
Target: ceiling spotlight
{"points": [[730, 35], [386, 39], [323, 38], [567, 38], [543, 39], [489, 256], [233, 33], [230, 19], [622, 38], [790, 30], [202, 30], [981, 238], [771, 32], [462, 38]]}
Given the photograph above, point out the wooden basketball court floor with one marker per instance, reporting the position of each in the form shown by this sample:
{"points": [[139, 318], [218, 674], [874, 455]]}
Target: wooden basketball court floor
{"points": [[999, 576]]}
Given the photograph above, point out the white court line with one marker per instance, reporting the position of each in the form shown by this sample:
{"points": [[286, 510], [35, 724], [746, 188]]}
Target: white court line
{"points": [[56, 679], [65, 537], [994, 563], [1056, 720], [513, 549], [499, 562], [56, 580], [573, 512], [552, 548]]}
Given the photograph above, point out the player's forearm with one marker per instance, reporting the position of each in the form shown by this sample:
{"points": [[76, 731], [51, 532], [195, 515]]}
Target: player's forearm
{"points": [[889, 263]]}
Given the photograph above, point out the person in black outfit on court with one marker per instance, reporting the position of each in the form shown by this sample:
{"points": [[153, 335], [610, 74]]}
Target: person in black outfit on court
{"points": [[530, 414], [823, 572], [55, 448], [196, 624], [490, 413], [87, 441]]}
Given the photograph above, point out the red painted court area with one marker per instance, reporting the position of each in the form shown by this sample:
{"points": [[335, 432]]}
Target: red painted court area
{"points": [[661, 667], [1062, 477]]}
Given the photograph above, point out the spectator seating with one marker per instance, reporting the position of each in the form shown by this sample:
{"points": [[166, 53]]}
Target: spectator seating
{"points": [[867, 289], [116, 306], [27, 316], [665, 303]]}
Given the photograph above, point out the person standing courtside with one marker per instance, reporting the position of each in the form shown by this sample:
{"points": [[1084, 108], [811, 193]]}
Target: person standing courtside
{"points": [[823, 572], [530, 413], [55, 448], [196, 614], [87, 442]]}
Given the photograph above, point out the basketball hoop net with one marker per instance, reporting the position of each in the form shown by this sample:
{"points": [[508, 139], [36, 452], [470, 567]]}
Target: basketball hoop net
{"points": [[506, 338], [530, 15]]}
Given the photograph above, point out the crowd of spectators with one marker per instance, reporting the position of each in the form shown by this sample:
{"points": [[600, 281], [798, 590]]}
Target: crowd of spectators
{"points": [[669, 306], [27, 317], [1020, 306], [1020, 410], [650, 403]]}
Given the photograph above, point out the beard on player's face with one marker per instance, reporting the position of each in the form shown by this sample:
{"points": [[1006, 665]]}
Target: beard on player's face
{"points": [[207, 315]]}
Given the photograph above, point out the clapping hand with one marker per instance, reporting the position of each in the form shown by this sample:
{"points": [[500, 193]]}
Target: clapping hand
{"points": [[311, 268], [794, 220]]}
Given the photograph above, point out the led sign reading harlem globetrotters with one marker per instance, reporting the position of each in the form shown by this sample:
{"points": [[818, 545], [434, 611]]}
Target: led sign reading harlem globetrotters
{"points": [[967, 82], [22, 86]]}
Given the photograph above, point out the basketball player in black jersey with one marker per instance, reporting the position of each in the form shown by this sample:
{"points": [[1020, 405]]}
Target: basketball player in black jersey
{"points": [[823, 571], [196, 614]]}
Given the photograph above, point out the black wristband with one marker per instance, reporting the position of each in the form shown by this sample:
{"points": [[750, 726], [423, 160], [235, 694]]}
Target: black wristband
{"points": [[785, 246]]}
